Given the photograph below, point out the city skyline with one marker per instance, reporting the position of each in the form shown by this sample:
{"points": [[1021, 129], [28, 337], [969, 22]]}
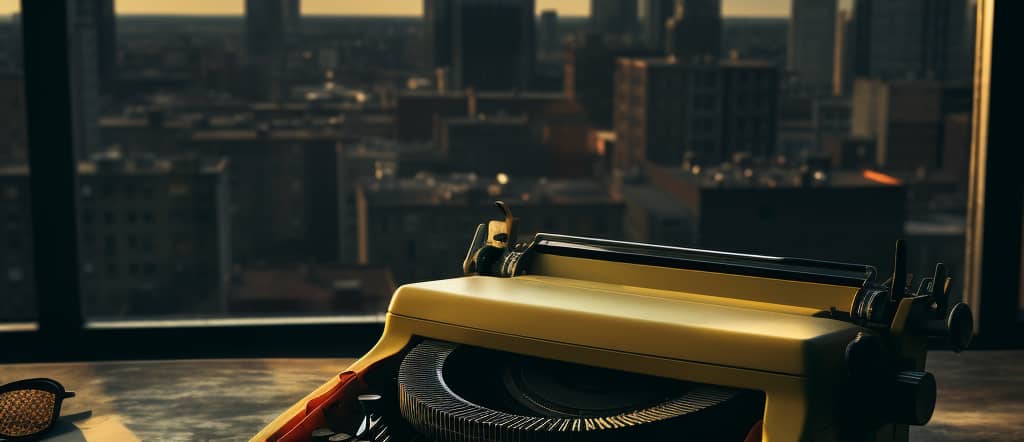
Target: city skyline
{"points": [[398, 8]]}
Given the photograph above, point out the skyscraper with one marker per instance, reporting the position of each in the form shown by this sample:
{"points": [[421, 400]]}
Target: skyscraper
{"points": [[654, 15], [694, 33], [548, 36], [492, 44], [911, 39], [811, 45], [106, 40], [84, 58], [294, 10], [264, 39], [615, 17], [437, 26]]}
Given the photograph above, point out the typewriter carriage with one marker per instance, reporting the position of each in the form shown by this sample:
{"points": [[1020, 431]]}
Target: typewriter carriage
{"points": [[837, 354]]}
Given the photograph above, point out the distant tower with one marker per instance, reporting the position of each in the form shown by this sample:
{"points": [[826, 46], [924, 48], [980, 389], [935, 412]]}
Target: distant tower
{"points": [[613, 17], [437, 27], [106, 40], [811, 46], [84, 57], [492, 43], [548, 37], [294, 20], [265, 31], [654, 15], [695, 30]]}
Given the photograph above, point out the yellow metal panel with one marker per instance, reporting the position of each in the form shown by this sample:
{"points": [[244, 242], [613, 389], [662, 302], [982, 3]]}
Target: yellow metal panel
{"points": [[606, 316]]}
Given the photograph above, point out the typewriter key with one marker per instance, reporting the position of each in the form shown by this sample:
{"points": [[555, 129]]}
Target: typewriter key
{"points": [[340, 437]]}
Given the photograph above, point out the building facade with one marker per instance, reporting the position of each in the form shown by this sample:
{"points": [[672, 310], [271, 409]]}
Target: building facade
{"points": [[811, 45], [694, 33], [421, 226], [664, 109]]}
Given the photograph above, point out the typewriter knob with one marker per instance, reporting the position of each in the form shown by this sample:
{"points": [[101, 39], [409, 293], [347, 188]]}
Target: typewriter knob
{"points": [[912, 400]]}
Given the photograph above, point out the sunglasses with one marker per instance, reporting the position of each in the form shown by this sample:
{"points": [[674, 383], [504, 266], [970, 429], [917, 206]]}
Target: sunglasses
{"points": [[29, 408]]}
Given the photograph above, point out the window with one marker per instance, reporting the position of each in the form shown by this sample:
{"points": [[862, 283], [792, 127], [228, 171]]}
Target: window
{"points": [[17, 289], [227, 167]]}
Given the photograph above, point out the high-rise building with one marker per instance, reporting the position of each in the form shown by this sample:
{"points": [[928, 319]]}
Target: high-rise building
{"points": [[85, 57], [106, 41], [842, 66], [590, 71], [811, 47], [294, 10], [264, 39], [613, 17], [694, 33], [912, 39], [654, 15], [665, 108], [492, 44], [548, 36], [437, 27]]}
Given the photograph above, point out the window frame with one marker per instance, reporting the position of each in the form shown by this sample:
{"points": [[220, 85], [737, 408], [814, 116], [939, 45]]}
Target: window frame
{"points": [[61, 333]]}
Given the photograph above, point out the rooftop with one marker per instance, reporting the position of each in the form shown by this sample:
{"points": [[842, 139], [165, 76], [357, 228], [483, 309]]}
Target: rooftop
{"points": [[465, 189]]}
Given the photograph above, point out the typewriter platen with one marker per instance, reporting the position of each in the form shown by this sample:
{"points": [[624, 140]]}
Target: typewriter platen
{"points": [[566, 338]]}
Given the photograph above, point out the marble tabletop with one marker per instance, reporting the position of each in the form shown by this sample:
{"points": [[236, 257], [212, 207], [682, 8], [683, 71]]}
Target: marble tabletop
{"points": [[981, 396]]}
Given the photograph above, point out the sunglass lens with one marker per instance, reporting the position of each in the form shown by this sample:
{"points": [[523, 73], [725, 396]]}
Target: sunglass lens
{"points": [[25, 412]]}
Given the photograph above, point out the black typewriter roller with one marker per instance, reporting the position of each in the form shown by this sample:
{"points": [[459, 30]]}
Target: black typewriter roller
{"points": [[452, 392]]}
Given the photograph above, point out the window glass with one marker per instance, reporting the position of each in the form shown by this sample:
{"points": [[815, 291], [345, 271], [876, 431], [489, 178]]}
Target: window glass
{"points": [[303, 158], [17, 299]]}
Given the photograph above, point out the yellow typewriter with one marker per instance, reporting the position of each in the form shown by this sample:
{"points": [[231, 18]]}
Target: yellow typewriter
{"points": [[564, 338]]}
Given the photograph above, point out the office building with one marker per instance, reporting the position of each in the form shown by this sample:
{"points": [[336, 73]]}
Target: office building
{"points": [[654, 15], [811, 47], [694, 33], [665, 108], [106, 49], [284, 181], [912, 39], [800, 210], [85, 56], [154, 235], [493, 44], [492, 144], [613, 17], [294, 21], [437, 30], [264, 38], [903, 117], [394, 214], [590, 74]]}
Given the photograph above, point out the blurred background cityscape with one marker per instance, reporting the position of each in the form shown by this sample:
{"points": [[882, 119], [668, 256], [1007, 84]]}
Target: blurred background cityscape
{"points": [[294, 157]]}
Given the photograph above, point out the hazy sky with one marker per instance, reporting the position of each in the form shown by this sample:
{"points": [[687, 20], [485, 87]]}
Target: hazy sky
{"points": [[776, 8]]}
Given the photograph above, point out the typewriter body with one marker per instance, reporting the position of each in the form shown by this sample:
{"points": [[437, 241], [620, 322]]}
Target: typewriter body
{"points": [[567, 338]]}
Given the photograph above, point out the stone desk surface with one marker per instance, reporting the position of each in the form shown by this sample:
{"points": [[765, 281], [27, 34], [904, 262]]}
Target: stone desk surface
{"points": [[981, 396]]}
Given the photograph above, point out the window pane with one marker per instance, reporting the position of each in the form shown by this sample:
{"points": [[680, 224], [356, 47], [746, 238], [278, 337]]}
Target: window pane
{"points": [[241, 158], [17, 299]]}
